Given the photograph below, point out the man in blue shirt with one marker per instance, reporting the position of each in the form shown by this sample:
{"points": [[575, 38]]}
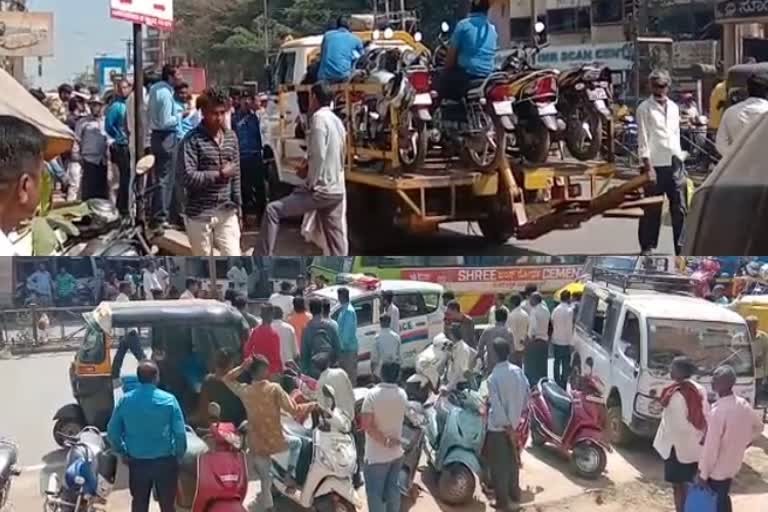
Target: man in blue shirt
{"points": [[508, 398], [164, 120], [347, 321], [147, 429], [116, 126], [471, 53], [247, 126], [339, 51]]}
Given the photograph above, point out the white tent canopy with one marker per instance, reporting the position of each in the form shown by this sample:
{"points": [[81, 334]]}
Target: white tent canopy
{"points": [[16, 101]]}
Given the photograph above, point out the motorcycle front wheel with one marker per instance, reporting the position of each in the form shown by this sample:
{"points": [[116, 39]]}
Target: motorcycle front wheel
{"points": [[494, 147], [535, 141], [456, 485], [582, 144], [414, 142], [589, 460]]}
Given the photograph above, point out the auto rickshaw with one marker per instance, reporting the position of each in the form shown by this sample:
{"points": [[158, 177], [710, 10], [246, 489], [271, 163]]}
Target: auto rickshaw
{"points": [[753, 305], [736, 81], [184, 336]]}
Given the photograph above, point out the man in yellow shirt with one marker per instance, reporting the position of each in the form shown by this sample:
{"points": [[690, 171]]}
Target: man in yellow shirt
{"points": [[717, 104], [760, 353]]}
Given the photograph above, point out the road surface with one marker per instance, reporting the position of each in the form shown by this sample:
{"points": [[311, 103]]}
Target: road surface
{"points": [[34, 387]]}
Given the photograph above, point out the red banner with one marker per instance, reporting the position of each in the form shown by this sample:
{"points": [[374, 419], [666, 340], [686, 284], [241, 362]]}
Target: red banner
{"points": [[548, 277]]}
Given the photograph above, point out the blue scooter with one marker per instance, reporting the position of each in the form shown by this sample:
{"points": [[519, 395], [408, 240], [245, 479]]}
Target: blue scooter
{"points": [[455, 431]]}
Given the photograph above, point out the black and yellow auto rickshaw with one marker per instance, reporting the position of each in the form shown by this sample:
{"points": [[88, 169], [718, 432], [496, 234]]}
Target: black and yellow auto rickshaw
{"points": [[736, 80], [184, 336]]}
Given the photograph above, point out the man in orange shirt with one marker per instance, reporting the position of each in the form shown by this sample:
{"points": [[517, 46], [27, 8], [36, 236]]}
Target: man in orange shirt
{"points": [[299, 318], [265, 341]]}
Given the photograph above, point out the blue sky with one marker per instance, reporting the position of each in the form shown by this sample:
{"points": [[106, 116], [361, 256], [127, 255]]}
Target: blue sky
{"points": [[82, 30]]}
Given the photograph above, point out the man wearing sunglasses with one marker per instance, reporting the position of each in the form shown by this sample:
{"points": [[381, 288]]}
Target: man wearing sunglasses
{"points": [[658, 123]]}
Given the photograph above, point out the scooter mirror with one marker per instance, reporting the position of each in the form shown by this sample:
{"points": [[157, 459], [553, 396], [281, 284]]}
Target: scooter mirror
{"points": [[417, 37], [145, 164], [539, 27], [214, 411], [445, 27], [388, 33]]}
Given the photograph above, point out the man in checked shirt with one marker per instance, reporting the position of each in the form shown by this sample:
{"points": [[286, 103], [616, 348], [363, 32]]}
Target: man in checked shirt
{"points": [[209, 168]]}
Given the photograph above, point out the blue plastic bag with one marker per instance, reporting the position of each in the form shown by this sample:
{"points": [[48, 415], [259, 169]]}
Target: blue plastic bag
{"points": [[700, 499]]}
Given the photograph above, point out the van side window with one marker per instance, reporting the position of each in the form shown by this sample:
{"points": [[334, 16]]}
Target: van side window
{"points": [[285, 66], [630, 337], [592, 314], [410, 305], [364, 310], [611, 323]]}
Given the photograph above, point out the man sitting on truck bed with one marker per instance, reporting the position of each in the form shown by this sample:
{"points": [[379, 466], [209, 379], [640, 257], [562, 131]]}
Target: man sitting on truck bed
{"points": [[471, 53], [338, 53]]}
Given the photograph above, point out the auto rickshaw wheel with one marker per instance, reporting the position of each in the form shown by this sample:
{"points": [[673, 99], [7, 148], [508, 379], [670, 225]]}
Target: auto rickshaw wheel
{"points": [[65, 428]]}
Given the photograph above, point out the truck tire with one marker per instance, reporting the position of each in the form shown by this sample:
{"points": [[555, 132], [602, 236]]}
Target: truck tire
{"points": [[618, 432], [501, 224]]}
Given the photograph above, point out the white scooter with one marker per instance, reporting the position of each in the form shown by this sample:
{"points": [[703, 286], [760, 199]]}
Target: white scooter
{"points": [[326, 465], [445, 361]]}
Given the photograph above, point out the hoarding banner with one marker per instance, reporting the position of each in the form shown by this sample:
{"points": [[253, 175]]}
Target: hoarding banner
{"points": [[496, 279], [617, 56], [152, 13], [109, 69], [741, 10], [26, 34]]}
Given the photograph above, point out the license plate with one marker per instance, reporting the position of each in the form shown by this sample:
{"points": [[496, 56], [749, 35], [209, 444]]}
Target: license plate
{"points": [[422, 99], [596, 94], [503, 108], [547, 110]]}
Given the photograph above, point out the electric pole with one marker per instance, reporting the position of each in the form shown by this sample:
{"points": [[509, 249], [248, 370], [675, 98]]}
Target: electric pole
{"points": [[534, 18]]}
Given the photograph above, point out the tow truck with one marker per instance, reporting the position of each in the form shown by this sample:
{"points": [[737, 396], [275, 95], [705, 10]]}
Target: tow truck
{"points": [[518, 200]]}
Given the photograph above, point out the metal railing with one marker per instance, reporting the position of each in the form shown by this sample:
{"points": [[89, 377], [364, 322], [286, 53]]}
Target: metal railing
{"points": [[36, 326]]}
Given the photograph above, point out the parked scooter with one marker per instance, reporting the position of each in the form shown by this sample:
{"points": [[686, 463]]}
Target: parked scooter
{"points": [[327, 462], [455, 431], [585, 100], [9, 454], [535, 93], [213, 475], [433, 365], [568, 422], [476, 127], [89, 475]]}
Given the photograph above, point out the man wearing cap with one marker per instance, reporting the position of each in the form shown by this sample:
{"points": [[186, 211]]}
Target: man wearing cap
{"points": [[91, 150], [661, 157], [739, 116]]}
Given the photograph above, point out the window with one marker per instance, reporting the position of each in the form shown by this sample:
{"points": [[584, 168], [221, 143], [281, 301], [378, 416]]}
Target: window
{"points": [[92, 351], [410, 305], [393, 261], [568, 20], [285, 66], [630, 337], [332, 263], [607, 11], [592, 315], [520, 29], [609, 325], [286, 268], [431, 301], [364, 310]]}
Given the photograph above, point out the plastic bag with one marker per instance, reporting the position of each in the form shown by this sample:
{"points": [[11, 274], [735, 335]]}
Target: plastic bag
{"points": [[700, 499]]}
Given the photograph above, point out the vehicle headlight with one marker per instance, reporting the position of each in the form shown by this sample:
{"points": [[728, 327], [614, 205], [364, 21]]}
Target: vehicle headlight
{"points": [[648, 406]]}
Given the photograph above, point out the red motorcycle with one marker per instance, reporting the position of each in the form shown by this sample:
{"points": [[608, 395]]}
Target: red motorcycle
{"points": [[214, 478], [572, 423]]}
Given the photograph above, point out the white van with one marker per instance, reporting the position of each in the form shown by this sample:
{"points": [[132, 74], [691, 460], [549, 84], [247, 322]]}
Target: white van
{"points": [[421, 318], [627, 336]]}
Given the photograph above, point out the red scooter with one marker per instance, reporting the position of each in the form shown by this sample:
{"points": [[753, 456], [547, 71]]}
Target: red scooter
{"points": [[570, 422], [214, 477]]}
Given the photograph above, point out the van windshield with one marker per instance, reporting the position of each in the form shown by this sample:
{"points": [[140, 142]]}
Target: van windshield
{"points": [[708, 344]]}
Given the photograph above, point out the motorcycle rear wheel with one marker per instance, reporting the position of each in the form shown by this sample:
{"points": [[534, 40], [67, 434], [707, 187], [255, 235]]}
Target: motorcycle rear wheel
{"points": [[535, 142], [488, 165], [456, 484], [412, 158], [575, 138], [589, 460]]}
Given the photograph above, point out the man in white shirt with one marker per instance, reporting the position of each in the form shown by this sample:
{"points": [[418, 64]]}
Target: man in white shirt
{"points": [[153, 288], [517, 323], [324, 188], [741, 115], [238, 277], [498, 304], [125, 292], [537, 350], [390, 309], [562, 338], [387, 346], [661, 157], [192, 288], [683, 423], [283, 299], [289, 348], [22, 147]]}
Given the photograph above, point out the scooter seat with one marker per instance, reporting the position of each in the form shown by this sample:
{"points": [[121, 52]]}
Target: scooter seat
{"points": [[560, 404], [8, 457]]}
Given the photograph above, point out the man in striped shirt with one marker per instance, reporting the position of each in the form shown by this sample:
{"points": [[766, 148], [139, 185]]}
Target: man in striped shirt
{"points": [[209, 167]]}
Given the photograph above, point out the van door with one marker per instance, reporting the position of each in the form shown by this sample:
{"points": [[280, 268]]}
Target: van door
{"points": [[415, 323], [590, 327], [367, 309], [626, 361]]}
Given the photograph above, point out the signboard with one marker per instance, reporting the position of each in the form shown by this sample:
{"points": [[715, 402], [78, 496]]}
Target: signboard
{"points": [[195, 77], [566, 4], [109, 69], [741, 10], [152, 13], [496, 279], [686, 54], [26, 34], [617, 56]]}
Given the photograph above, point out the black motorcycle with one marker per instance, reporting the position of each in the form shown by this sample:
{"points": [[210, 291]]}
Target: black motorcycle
{"points": [[585, 101], [413, 445], [9, 454]]}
